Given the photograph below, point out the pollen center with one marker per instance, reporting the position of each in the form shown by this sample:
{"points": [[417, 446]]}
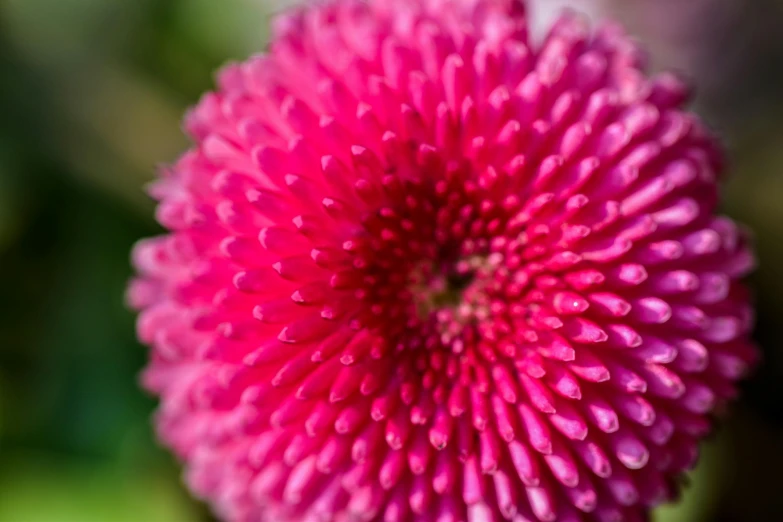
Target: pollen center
{"points": [[441, 290]]}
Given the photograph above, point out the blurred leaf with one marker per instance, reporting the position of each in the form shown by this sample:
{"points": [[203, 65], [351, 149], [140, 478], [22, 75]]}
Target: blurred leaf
{"points": [[230, 28], [117, 119], [61, 34], [10, 199], [702, 486], [43, 489]]}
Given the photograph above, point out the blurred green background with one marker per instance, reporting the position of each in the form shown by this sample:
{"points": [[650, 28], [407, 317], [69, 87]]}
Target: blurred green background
{"points": [[91, 94]]}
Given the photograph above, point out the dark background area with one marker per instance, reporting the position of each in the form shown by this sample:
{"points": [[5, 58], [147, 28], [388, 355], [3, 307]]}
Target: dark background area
{"points": [[91, 93]]}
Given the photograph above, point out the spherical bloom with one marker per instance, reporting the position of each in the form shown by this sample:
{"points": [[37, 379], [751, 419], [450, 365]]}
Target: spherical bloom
{"points": [[419, 268]]}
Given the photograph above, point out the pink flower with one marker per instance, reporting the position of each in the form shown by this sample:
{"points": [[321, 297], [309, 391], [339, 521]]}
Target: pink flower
{"points": [[418, 269]]}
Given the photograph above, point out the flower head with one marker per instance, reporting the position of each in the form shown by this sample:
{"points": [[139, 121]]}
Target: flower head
{"points": [[421, 269]]}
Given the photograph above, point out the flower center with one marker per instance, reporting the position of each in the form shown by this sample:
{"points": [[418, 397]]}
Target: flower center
{"points": [[441, 265], [441, 290]]}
